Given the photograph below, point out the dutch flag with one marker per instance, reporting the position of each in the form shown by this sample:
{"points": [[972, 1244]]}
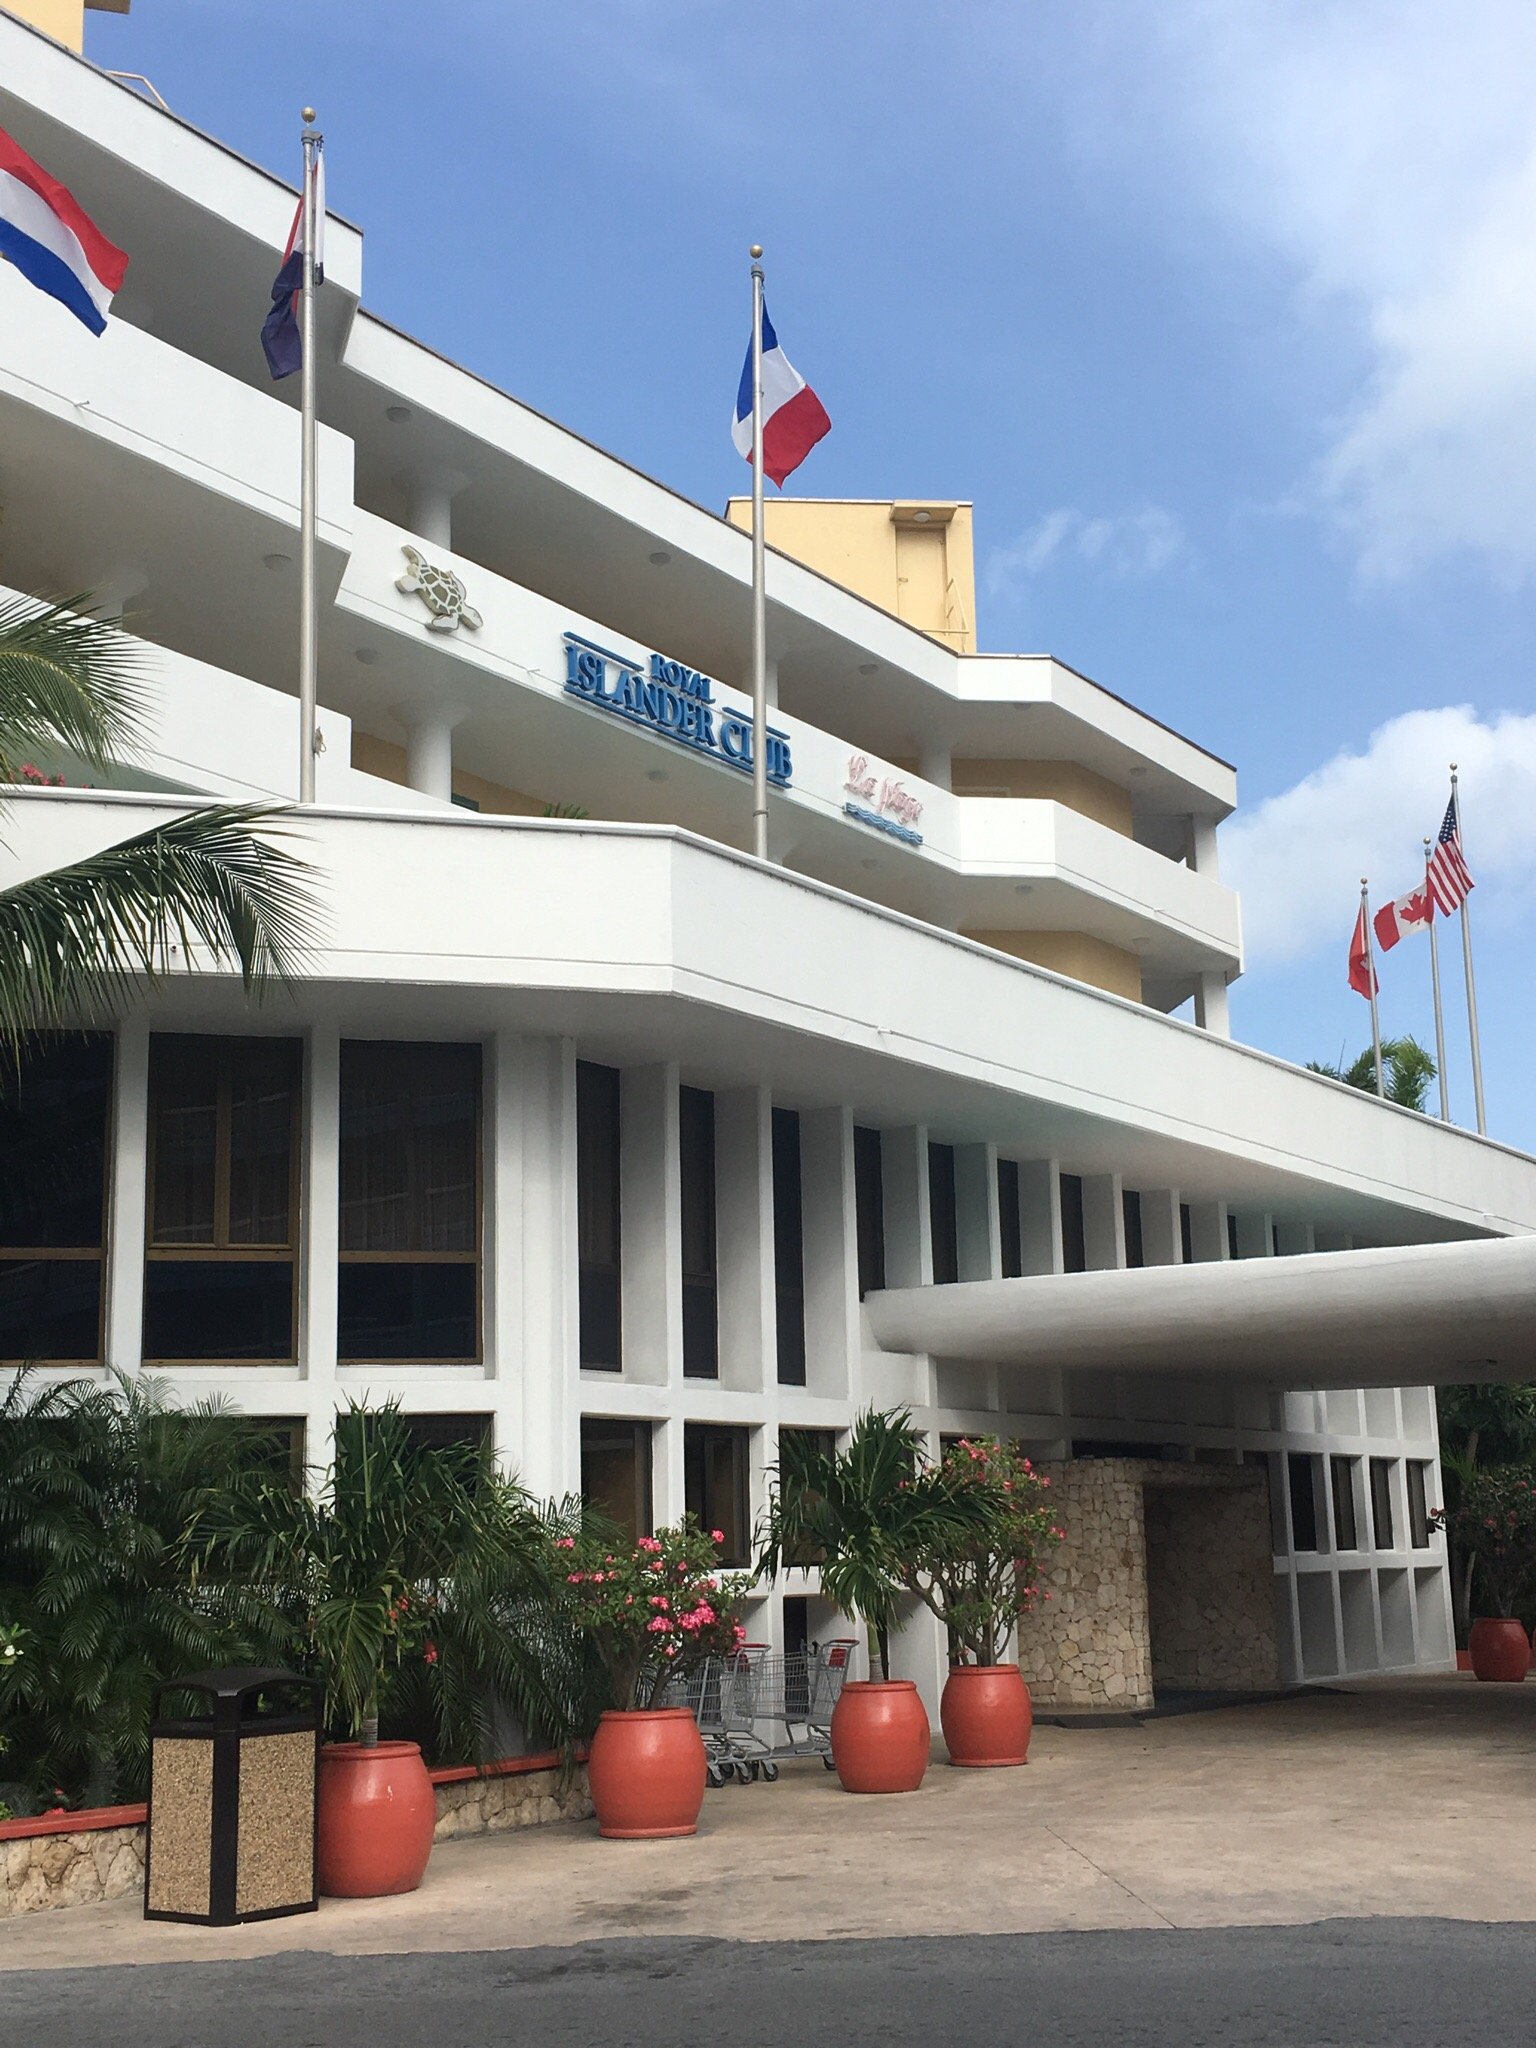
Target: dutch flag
{"points": [[52, 241], [794, 418], [280, 335]]}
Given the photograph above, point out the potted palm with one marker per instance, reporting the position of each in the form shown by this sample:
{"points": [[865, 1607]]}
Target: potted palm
{"points": [[652, 1612], [978, 1584], [399, 1566], [867, 1514], [1493, 1526]]}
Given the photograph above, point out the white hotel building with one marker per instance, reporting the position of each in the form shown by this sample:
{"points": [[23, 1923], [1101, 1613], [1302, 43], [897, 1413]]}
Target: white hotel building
{"points": [[596, 1134]]}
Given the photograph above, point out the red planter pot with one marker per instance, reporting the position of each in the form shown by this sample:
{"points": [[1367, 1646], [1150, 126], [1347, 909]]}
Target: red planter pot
{"points": [[1500, 1650], [880, 1736], [986, 1716], [647, 1772], [377, 1813]]}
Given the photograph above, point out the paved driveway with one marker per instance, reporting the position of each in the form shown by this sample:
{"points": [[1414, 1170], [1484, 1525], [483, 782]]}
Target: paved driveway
{"points": [[1398, 1798]]}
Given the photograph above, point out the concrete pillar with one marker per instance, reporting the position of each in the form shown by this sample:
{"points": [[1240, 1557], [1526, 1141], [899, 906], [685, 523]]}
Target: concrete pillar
{"points": [[113, 592], [830, 1220], [123, 1277], [1203, 854], [908, 1232], [1294, 1238], [1103, 1222], [744, 1237], [320, 1240], [546, 1277], [1040, 1215], [977, 1227], [1255, 1234], [1212, 1010], [1162, 1233], [770, 681], [429, 496], [651, 1221], [1208, 1231], [429, 756], [934, 764]]}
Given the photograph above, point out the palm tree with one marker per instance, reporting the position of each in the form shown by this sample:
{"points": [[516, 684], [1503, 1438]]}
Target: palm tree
{"points": [[79, 940], [1406, 1070]]}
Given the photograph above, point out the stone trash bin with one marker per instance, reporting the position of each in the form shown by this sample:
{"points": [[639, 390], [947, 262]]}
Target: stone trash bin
{"points": [[232, 1799]]}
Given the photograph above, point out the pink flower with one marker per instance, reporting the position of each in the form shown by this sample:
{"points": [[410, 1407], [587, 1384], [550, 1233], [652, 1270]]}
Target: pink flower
{"points": [[565, 1543], [717, 1535], [658, 1626], [574, 1578], [429, 1654], [660, 1600]]}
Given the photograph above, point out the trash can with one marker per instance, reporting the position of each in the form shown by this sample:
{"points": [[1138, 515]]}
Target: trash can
{"points": [[232, 1799]]}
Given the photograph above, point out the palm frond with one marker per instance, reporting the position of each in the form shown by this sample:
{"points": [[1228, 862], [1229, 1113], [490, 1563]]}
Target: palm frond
{"points": [[78, 940], [67, 678]]}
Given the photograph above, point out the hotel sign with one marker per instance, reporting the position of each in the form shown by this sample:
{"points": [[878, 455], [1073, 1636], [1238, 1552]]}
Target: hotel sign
{"points": [[886, 804], [672, 701]]}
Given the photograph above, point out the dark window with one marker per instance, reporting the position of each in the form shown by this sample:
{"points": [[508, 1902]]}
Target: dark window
{"points": [[1074, 1244], [1418, 1503], [1382, 1531], [616, 1471], [1301, 1469], [1010, 1218], [869, 1206], [222, 1245], [715, 1486], [53, 1152], [1342, 1473], [409, 1286], [701, 1290], [797, 1449], [797, 1624], [789, 1247], [1274, 1239], [1130, 1209], [597, 1214], [448, 1432], [1231, 1235], [943, 1226], [1187, 1233]]}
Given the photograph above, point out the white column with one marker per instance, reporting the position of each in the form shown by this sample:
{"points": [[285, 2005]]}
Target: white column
{"points": [[429, 496], [934, 764], [771, 677], [1208, 1231], [1294, 1238], [502, 1243], [744, 1237], [1103, 1223], [651, 1213], [830, 1220], [429, 756], [1162, 1234], [320, 1241], [1204, 857], [123, 1277], [1255, 1234], [908, 1234], [1040, 1215], [547, 1278], [977, 1225], [1212, 1010], [113, 592]]}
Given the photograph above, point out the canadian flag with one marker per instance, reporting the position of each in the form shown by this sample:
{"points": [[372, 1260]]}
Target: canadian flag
{"points": [[1362, 969], [1410, 913]]}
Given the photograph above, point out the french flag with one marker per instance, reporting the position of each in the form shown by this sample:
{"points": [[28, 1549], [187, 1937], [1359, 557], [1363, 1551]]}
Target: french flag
{"points": [[52, 241], [794, 418], [281, 338]]}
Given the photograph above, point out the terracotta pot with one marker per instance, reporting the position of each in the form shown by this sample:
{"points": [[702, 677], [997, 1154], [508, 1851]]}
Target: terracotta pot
{"points": [[880, 1736], [377, 1813], [647, 1771], [986, 1715], [1500, 1648]]}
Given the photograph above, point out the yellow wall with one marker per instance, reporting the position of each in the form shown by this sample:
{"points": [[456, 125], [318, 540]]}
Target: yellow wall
{"points": [[1063, 781], [64, 20], [373, 756], [921, 568], [1074, 953]]}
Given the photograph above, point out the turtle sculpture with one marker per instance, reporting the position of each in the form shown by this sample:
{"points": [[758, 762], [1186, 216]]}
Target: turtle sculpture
{"points": [[441, 592]]}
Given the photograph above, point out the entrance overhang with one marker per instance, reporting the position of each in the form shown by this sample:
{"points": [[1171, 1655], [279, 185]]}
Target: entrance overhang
{"points": [[1402, 1315]]}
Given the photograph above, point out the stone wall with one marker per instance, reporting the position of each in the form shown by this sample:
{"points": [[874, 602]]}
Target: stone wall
{"points": [[1210, 1582], [1088, 1645], [82, 1866]]}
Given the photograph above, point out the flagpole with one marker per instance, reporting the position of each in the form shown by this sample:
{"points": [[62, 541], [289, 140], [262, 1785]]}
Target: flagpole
{"points": [[308, 630], [1434, 972], [759, 596], [1370, 977], [1466, 961]]}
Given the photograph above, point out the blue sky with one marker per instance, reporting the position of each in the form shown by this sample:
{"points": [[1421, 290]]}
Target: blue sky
{"points": [[1223, 312]]}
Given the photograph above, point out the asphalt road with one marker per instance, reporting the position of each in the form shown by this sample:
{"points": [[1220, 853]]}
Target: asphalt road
{"points": [[1353, 1983]]}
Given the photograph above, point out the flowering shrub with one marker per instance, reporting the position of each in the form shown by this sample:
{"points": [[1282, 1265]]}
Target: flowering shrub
{"points": [[1494, 1524], [979, 1584], [654, 1610]]}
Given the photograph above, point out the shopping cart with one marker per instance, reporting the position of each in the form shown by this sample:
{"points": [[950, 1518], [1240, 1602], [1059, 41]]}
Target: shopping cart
{"points": [[703, 1692], [774, 1707]]}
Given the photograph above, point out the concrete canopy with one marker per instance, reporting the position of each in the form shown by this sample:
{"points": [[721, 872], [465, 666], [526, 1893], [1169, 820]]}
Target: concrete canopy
{"points": [[1402, 1315]]}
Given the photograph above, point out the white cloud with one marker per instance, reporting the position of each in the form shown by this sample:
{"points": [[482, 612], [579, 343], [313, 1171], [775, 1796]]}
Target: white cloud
{"points": [[1126, 546], [1297, 858], [1385, 149]]}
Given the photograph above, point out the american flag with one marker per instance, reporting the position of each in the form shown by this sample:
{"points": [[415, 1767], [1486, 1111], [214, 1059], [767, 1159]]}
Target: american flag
{"points": [[1447, 874]]}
